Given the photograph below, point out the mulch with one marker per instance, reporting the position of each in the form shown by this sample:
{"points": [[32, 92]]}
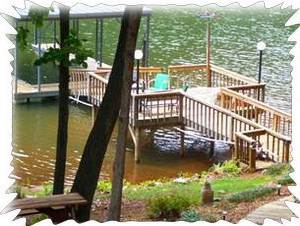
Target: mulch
{"points": [[137, 210]]}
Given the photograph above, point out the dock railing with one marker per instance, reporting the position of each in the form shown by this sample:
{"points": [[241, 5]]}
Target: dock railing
{"points": [[240, 118], [257, 111], [248, 143], [152, 109], [195, 73]]}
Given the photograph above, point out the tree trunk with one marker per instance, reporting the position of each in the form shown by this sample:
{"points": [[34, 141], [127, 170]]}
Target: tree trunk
{"points": [[118, 168], [87, 174], [63, 108]]}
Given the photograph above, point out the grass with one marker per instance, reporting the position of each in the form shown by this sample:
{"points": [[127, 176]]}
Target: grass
{"points": [[193, 189]]}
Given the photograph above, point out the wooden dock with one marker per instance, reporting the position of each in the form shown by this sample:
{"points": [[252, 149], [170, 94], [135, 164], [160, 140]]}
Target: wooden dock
{"points": [[232, 109]]}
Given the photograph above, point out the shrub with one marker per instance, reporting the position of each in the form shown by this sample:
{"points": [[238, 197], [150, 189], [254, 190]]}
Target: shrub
{"points": [[278, 169], [230, 168], [190, 215], [250, 195], [104, 186], [168, 207], [285, 180]]}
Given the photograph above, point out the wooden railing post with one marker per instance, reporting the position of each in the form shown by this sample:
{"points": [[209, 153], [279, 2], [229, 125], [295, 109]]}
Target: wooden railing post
{"points": [[286, 151], [252, 158], [88, 86], [181, 109]]}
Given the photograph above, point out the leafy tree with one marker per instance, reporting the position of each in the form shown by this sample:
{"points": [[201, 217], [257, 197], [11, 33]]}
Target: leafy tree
{"points": [[69, 44]]}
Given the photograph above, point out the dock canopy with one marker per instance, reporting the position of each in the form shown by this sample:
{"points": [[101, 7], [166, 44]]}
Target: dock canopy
{"points": [[77, 13], [82, 11]]}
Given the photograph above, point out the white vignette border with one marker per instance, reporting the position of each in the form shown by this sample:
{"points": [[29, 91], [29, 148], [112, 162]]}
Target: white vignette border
{"points": [[7, 7]]}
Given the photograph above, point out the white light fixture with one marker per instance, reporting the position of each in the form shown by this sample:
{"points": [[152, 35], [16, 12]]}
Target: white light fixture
{"points": [[261, 46], [138, 54]]}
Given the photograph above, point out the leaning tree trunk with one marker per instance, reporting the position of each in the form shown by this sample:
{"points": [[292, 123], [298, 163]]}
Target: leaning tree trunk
{"points": [[63, 108], [87, 174], [118, 168]]}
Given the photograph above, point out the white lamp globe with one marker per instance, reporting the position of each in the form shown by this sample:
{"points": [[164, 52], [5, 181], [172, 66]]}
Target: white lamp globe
{"points": [[138, 54], [261, 46]]}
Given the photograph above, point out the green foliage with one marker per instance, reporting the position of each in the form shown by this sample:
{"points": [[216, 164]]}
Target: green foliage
{"points": [[250, 195], [278, 169], [47, 189], [38, 15], [71, 45], [285, 180], [22, 37], [190, 215], [38, 218], [168, 207], [104, 186], [229, 168]]}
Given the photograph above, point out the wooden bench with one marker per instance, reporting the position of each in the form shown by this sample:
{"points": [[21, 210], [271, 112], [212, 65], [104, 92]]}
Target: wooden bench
{"points": [[58, 207]]}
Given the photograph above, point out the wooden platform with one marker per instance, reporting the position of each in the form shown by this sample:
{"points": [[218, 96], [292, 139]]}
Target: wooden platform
{"points": [[225, 106], [28, 91]]}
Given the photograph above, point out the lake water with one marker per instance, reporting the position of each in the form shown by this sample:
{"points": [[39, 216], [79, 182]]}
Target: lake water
{"points": [[177, 36]]}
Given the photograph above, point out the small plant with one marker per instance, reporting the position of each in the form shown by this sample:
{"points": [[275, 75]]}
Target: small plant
{"points": [[38, 218], [104, 186], [168, 207], [190, 215], [47, 189], [278, 169], [229, 168], [285, 180], [251, 194]]}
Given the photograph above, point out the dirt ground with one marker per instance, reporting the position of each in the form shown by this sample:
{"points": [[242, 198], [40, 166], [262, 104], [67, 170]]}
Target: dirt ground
{"points": [[137, 211]]}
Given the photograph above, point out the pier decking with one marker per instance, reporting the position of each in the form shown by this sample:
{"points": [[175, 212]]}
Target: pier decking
{"points": [[230, 109]]}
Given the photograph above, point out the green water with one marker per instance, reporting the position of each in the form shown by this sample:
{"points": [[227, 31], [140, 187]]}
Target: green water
{"points": [[177, 36]]}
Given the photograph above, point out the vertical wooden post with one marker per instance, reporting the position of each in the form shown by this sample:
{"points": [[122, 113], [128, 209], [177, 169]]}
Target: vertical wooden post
{"points": [[286, 151], [182, 151], [208, 55], [137, 148], [236, 149], [231, 135], [276, 123], [252, 158]]}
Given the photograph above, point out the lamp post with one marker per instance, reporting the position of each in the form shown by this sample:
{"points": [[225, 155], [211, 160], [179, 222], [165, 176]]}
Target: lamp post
{"points": [[260, 47], [138, 55], [207, 15]]}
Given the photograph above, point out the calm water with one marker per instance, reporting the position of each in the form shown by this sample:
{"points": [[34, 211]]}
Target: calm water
{"points": [[177, 36]]}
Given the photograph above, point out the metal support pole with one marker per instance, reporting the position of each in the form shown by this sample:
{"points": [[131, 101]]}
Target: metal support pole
{"points": [[144, 52], [101, 43], [77, 28], [99, 40], [259, 66], [35, 35], [54, 33], [147, 41], [137, 76], [259, 72], [208, 55], [39, 55]]}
